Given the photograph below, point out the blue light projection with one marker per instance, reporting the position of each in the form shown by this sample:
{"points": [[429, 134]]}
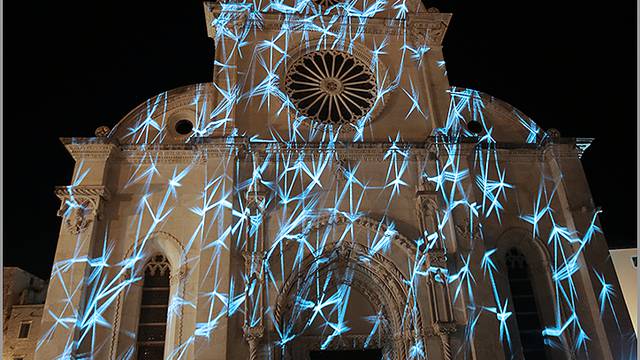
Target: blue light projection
{"points": [[296, 181]]}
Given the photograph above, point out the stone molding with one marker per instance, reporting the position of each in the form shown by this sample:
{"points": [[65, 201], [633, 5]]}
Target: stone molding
{"points": [[200, 150], [364, 221], [81, 149]]}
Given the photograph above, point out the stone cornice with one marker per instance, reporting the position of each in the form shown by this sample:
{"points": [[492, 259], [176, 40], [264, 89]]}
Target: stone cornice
{"points": [[89, 149], [201, 149], [93, 191], [424, 27], [568, 148]]}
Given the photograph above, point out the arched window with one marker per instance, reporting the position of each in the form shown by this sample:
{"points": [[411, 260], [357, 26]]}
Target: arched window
{"points": [[152, 326], [524, 304]]}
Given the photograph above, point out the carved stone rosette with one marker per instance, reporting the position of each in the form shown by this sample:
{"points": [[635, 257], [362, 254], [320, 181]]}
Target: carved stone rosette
{"points": [[80, 205]]}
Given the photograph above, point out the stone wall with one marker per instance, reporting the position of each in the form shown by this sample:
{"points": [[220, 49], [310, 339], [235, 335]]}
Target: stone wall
{"points": [[23, 296]]}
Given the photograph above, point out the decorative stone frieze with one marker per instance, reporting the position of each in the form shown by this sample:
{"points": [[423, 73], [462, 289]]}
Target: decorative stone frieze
{"points": [[90, 149]]}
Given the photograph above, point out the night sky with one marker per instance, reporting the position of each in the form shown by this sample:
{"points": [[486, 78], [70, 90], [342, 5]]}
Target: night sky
{"points": [[70, 68]]}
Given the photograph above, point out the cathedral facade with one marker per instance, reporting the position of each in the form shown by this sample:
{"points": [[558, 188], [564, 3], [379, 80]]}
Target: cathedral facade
{"points": [[330, 191]]}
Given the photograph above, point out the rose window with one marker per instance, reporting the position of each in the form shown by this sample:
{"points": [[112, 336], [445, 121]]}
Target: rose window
{"points": [[332, 87]]}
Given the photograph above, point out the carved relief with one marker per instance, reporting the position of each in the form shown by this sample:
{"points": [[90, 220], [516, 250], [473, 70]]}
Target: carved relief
{"points": [[428, 33], [77, 215], [465, 231], [80, 205]]}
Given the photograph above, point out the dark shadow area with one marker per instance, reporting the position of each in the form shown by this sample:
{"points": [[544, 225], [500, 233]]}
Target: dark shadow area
{"points": [[347, 355]]}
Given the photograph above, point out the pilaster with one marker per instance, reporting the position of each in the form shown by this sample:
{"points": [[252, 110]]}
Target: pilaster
{"points": [[440, 303], [65, 324], [253, 254]]}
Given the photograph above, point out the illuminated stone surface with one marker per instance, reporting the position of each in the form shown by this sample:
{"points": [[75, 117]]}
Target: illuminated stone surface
{"points": [[287, 235]]}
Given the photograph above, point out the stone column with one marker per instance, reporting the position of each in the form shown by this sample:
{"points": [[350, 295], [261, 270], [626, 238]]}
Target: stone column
{"points": [[253, 335]]}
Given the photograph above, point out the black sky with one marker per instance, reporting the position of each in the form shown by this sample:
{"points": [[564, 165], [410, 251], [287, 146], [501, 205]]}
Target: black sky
{"points": [[71, 67]]}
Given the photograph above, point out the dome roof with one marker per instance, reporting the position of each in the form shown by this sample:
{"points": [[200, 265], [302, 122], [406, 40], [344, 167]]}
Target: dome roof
{"points": [[473, 113], [176, 116], [171, 117]]}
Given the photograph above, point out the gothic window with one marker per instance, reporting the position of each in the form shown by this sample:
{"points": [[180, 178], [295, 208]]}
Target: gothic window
{"points": [[152, 326], [524, 304], [331, 86]]}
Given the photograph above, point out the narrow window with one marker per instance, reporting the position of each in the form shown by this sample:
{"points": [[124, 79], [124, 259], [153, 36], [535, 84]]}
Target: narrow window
{"points": [[24, 330], [634, 261], [152, 325], [524, 305]]}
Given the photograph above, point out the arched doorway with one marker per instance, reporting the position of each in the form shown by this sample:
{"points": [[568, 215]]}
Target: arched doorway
{"points": [[346, 299]]}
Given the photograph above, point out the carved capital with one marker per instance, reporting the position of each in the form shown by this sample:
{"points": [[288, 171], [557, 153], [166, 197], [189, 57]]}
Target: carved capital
{"points": [[437, 258], [180, 274], [80, 205], [441, 328], [444, 328], [252, 333]]}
